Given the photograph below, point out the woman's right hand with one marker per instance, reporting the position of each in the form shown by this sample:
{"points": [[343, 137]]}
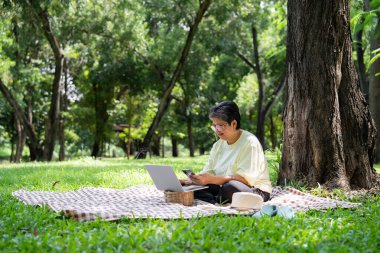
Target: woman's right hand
{"points": [[185, 181]]}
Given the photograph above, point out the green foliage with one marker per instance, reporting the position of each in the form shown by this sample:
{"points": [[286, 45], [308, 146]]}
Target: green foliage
{"points": [[118, 51], [38, 229]]}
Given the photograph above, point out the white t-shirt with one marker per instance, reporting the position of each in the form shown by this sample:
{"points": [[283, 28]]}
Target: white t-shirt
{"points": [[245, 157]]}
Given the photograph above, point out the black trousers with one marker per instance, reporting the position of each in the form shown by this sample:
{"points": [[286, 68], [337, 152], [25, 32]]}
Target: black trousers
{"points": [[223, 193]]}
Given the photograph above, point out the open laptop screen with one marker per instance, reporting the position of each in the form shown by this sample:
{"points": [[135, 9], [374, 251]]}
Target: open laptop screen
{"points": [[165, 179]]}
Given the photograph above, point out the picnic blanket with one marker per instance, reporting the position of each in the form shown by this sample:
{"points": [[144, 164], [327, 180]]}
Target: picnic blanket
{"points": [[145, 201]]}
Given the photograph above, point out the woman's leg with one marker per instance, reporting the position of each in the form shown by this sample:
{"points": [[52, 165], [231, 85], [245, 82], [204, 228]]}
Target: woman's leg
{"points": [[229, 188], [209, 194]]}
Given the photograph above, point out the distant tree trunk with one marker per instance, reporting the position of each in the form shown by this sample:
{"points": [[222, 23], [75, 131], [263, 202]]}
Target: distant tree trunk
{"points": [[64, 105], [190, 135], [101, 119], [163, 145], [273, 135], [20, 133], [189, 118], [374, 88], [262, 111], [129, 116], [155, 146], [360, 56], [53, 115], [328, 131], [260, 126], [11, 158], [202, 150], [20, 141], [174, 146], [34, 145], [166, 97]]}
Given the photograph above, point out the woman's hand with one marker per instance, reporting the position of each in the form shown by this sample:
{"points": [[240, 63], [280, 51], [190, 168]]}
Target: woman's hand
{"points": [[202, 179], [185, 181]]}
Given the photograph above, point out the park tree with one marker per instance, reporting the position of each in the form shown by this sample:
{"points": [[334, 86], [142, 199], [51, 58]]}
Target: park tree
{"points": [[329, 135], [29, 51], [190, 24]]}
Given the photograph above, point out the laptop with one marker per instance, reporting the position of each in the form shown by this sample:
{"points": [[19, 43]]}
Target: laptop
{"points": [[165, 179]]}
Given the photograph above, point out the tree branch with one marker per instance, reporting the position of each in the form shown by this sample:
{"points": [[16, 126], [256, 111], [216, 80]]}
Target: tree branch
{"points": [[242, 57], [274, 97]]}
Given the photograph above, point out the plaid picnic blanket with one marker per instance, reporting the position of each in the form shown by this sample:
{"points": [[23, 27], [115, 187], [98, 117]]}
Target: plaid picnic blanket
{"points": [[145, 201]]}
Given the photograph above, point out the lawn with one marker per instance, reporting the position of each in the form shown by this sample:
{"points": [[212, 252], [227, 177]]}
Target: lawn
{"points": [[30, 229]]}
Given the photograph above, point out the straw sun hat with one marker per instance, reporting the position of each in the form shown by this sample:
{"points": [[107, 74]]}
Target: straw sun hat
{"points": [[246, 201]]}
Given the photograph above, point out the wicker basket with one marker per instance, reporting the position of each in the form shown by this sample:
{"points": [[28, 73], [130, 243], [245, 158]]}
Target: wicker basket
{"points": [[184, 198]]}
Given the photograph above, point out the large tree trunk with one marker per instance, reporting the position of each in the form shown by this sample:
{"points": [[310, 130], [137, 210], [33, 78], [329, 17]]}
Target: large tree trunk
{"points": [[328, 131], [166, 97], [374, 88]]}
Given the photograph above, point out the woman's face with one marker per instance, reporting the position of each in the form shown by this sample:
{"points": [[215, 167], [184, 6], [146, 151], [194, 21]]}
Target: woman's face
{"points": [[223, 129]]}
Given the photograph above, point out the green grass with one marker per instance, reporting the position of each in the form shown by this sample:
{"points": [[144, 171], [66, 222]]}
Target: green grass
{"points": [[38, 229]]}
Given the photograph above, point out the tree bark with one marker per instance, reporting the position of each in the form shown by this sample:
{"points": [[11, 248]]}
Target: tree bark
{"points": [[374, 88], [165, 99], [328, 131]]}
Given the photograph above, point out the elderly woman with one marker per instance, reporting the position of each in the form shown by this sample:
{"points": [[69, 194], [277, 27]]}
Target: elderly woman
{"points": [[236, 163]]}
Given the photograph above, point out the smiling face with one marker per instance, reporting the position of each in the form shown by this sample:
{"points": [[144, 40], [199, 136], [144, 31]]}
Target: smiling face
{"points": [[224, 130]]}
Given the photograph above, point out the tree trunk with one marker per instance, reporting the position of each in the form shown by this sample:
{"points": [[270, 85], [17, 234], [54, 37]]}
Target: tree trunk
{"points": [[202, 150], [34, 145], [260, 126], [11, 158], [262, 111], [328, 131], [53, 118], [272, 132], [165, 99], [190, 134], [101, 118], [64, 106], [155, 147], [20, 141], [174, 146], [374, 88]]}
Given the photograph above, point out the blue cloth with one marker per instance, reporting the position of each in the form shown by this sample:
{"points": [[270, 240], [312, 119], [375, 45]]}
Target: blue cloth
{"points": [[273, 210]]}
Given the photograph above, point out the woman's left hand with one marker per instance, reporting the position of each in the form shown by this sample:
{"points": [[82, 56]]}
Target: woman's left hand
{"points": [[202, 179]]}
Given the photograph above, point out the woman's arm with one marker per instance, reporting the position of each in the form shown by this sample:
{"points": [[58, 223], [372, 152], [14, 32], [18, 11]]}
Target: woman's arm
{"points": [[204, 179]]}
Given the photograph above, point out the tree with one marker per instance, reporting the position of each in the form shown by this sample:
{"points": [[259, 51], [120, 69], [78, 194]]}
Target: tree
{"points": [[329, 135], [166, 96]]}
